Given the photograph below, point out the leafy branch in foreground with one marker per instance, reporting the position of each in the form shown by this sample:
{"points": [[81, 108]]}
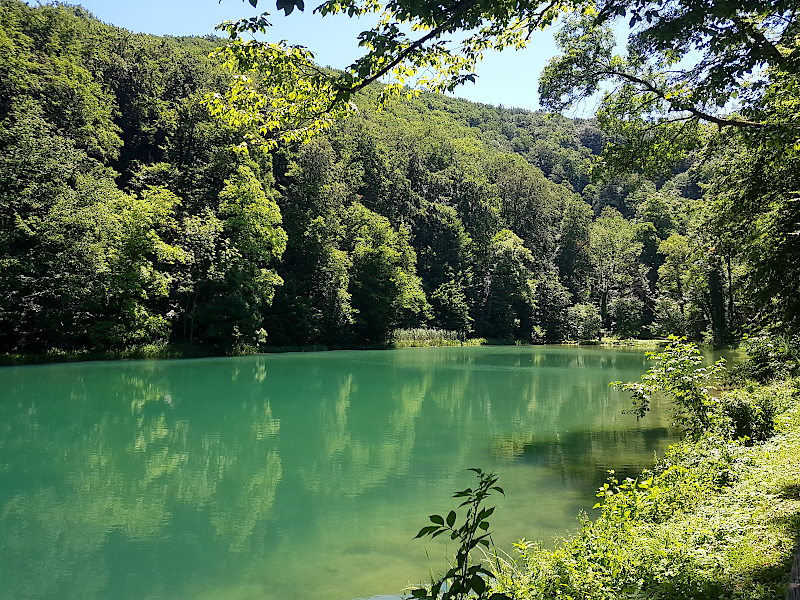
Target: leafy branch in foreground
{"points": [[677, 373], [280, 94], [464, 579]]}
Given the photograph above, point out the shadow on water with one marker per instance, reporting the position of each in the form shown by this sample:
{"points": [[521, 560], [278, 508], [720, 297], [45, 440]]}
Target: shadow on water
{"points": [[583, 458]]}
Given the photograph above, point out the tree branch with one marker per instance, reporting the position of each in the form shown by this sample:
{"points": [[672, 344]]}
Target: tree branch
{"points": [[694, 111], [342, 90]]}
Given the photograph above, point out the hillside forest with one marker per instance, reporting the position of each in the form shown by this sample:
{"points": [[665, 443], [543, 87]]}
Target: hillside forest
{"points": [[130, 217]]}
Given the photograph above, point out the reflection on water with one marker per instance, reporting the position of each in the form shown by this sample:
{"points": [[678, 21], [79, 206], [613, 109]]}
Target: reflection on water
{"points": [[294, 476]]}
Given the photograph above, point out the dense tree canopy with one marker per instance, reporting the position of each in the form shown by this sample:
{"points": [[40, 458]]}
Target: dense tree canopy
{"points": [[129, 215]]}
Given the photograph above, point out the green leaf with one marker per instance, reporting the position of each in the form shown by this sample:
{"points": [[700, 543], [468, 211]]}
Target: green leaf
{"points": [[426, 531], [478, 584], [437, 519], [451, 518], [486, 512]]}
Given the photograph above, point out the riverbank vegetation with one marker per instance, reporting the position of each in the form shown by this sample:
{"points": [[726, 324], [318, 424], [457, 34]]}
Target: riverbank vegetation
{"points": [[128, 219], [718, 516], [424, 338]]}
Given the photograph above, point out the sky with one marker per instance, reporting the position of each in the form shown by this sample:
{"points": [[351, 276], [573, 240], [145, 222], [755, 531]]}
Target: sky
{"points": [[509, 78]]}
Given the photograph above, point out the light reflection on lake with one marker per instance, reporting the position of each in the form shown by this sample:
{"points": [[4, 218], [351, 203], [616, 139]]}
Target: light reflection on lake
{"points": [[295, 476]]}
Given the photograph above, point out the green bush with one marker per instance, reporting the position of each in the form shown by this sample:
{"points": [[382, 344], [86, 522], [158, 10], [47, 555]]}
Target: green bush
{"points": [[750, 414], [677, 373], [585, 322], [627, 314], [689, 530], [769, 358]]}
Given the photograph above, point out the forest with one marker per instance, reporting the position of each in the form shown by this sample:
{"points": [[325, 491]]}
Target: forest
{"points": [[131, 217]]}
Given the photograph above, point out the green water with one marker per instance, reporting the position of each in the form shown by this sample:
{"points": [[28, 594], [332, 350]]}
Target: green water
{"points": [[295, 476]]}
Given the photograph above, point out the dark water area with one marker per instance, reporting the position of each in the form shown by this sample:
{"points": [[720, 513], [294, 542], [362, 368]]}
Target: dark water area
{"points": [[296, 476]]}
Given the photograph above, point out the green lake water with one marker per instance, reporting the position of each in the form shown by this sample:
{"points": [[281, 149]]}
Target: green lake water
{"points": [[296, 476]]}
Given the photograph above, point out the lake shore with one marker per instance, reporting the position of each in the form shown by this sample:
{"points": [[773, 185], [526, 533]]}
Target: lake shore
{"points": [[188, 351], [716, 518]]}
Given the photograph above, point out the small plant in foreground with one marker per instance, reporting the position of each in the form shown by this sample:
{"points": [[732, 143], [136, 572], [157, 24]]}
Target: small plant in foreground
{"points": [[464, 579]]}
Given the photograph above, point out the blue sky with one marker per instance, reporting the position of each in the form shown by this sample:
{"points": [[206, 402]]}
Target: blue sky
{"points": [[509, 78]]}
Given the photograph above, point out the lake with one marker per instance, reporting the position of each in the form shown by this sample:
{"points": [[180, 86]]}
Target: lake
{"points": [[296, 476]]}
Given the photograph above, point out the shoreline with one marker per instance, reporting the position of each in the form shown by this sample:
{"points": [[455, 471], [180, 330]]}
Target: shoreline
{"points": [[181, 351]]}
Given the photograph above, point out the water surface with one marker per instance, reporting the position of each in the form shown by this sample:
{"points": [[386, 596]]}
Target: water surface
{"points": [[295, 476]]}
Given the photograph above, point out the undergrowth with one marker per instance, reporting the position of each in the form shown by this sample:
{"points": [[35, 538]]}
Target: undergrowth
{"points": [[717, 517], [421, 337]]}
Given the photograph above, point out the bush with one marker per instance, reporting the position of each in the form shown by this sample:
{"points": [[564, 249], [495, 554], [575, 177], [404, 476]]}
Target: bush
{"points": [[773, 357], [584, 322], [678, 373], [673, 534], [627, 314], [749, 415], [750, 412]]}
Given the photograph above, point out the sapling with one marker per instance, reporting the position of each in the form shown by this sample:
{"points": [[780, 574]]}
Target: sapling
{"points": [[465, 579]]}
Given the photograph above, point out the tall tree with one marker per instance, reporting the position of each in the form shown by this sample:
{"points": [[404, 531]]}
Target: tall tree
{"points": [[614, 252], [386, 292]]}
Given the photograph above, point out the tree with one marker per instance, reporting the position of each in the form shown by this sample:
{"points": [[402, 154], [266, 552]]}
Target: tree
{"points": [[734, 41], [509, 286], [738, 53], [386, 293], [552, 300], [443, 246], [614, 252], [755, 203], [626, 312], [286, 96], [530, 203], [251, 238], [572, 251], [584, 322], [673, 273]]}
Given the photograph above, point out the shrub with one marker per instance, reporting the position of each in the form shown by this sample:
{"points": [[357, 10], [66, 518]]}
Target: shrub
{"points": [[584, 322], [769, 358], [750, 415], [678, 374], [627, 314]]}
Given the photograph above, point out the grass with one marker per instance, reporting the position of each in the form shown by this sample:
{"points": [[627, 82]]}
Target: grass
{"points": [[716, 519], [426, 338], [610, 342]]}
